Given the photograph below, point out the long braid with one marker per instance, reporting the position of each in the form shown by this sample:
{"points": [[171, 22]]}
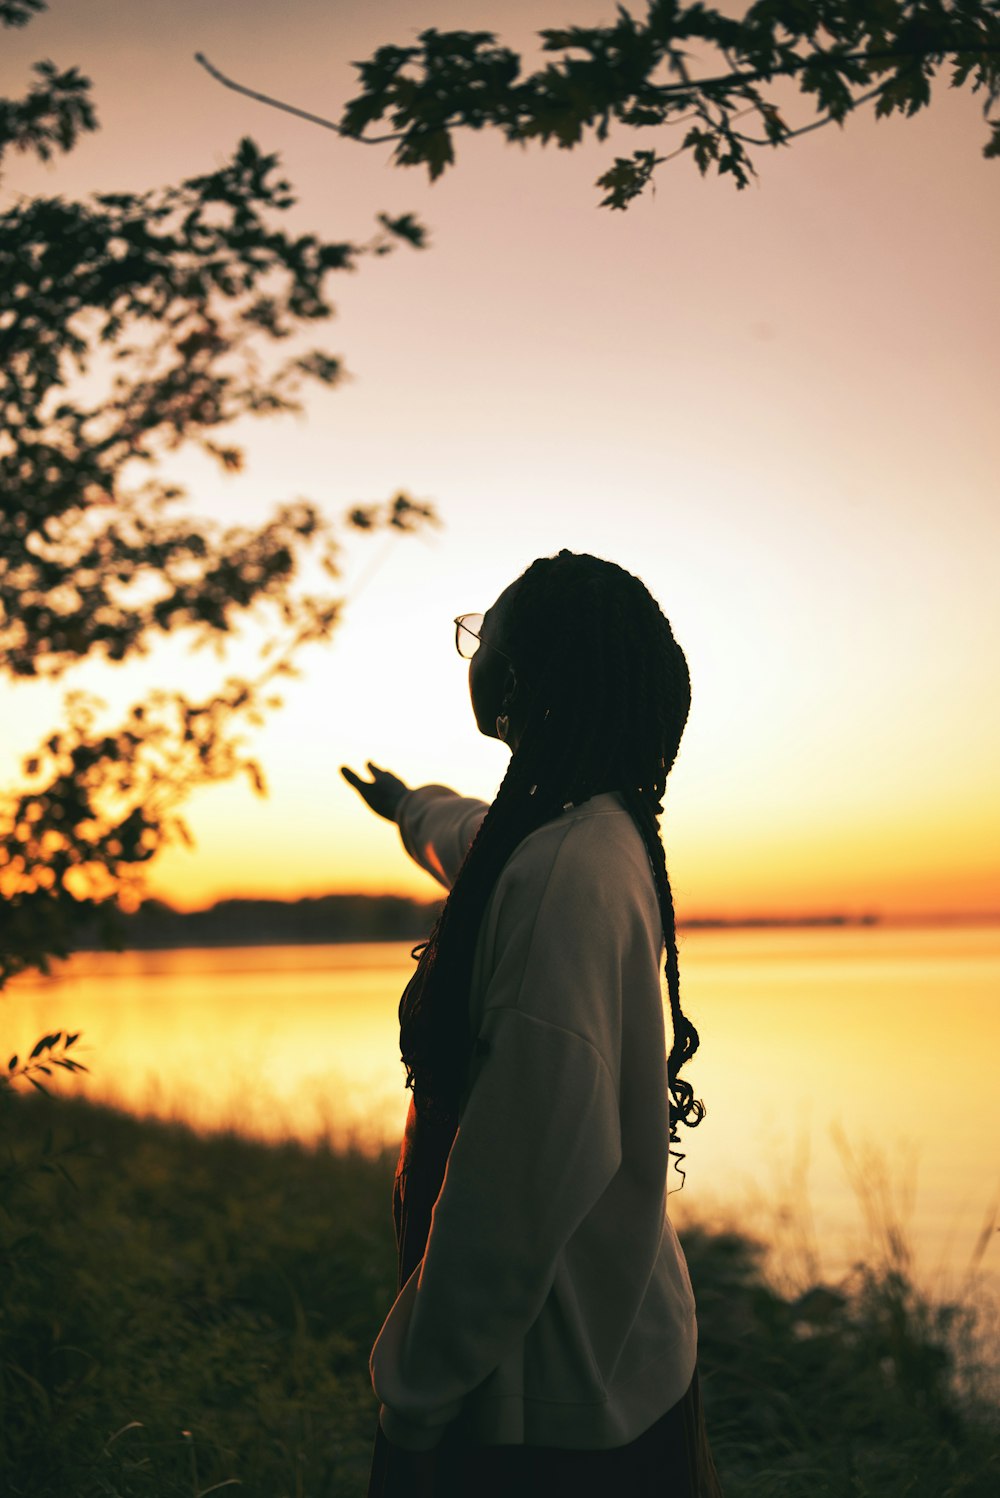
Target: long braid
{"points": [[608, 694], [686, 1107]]}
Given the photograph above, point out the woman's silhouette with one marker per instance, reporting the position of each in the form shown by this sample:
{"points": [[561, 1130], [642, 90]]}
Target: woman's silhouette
{"points": [[544, 1332]]}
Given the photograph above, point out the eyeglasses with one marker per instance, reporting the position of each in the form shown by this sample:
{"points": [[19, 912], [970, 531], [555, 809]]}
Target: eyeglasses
{"points": [[468, 632]]}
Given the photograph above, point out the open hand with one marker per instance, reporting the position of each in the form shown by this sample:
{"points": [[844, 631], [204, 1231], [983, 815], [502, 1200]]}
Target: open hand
{"points": [[383, 794]]}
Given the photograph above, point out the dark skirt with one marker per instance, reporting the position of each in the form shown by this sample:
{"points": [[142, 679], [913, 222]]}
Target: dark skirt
{"points": [[671, 1459]]}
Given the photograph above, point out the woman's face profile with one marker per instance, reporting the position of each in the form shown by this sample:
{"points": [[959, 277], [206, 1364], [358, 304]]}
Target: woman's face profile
{"points": [[491, 678]]}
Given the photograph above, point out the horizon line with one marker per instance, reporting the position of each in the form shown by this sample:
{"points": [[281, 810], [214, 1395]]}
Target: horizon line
{"points": [[786, 918]]}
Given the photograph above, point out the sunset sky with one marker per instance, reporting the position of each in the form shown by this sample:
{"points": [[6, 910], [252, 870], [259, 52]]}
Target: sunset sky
{"points": [[778, 407]]}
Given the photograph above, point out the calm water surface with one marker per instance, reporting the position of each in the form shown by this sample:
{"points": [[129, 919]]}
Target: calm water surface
{"points": [[850, 1075]]}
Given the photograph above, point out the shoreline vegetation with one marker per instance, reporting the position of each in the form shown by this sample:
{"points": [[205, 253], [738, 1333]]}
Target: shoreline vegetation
{"points": [[330, 919], [183, 1313]]}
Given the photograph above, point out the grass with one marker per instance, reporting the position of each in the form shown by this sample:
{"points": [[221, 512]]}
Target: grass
{"points": [[182, 1315]]}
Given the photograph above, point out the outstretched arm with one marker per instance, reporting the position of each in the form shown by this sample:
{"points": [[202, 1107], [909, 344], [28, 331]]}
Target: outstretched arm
{"points": [[438, 827]]}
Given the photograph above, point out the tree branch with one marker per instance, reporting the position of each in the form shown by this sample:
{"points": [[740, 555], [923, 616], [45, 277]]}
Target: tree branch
{"points": [[302, 114]]}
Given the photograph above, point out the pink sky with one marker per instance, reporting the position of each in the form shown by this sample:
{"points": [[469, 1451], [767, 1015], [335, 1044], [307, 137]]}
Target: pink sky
{"points": [[776, 406]]}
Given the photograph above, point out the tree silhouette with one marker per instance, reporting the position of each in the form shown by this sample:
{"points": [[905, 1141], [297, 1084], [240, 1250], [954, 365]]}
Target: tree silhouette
{"points": [[133, 324], [734, 83], [640, 74]]}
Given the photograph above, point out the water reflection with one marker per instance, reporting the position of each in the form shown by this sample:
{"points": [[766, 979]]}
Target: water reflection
{"points": [[886, 1035], [271, 1041]]}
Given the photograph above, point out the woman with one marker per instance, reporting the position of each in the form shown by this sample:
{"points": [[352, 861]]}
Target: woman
{"points": [[544, 1331]]}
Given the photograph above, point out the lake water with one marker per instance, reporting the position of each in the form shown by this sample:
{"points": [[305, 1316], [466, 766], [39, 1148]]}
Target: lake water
{"points": [[850, 1074]]}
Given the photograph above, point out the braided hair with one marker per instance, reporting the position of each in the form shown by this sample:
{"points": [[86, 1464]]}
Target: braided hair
{"points": [[607, 695]]}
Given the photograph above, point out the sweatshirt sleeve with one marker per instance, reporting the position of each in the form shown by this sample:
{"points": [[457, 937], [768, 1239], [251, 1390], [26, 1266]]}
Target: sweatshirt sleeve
{"points": [[438, 826], [538, 1143]]}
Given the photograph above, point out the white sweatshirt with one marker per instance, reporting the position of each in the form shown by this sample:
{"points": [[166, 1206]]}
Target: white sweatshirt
{"points": [[552, 1306]]}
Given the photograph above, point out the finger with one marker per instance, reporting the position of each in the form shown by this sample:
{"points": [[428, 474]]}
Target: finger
{"points": [[349, 776]]}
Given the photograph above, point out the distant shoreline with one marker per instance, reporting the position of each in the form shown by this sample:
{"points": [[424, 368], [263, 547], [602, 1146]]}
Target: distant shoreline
{"points": [[334, 919]]}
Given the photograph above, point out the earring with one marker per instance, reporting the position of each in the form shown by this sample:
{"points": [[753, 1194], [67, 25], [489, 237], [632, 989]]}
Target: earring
{"points": [[503, 727]]}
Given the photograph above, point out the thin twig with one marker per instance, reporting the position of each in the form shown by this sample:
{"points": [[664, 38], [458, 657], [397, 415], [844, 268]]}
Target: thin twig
{"points": [[303, 114], [828, 119]]}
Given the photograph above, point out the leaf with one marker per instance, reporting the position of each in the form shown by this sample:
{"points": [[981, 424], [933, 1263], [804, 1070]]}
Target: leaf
{"points": [[405, 226], [704, 145], [255, 777], [19, 13], [627, 178], [438, 152]]}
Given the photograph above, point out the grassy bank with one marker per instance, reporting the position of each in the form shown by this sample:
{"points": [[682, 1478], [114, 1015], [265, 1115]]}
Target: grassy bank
{"points": [[184, 1313]]}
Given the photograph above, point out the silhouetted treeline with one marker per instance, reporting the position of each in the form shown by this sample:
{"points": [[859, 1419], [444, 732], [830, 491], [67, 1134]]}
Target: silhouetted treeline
{"points": [[259, 923], [332, 918], [698, 923]]}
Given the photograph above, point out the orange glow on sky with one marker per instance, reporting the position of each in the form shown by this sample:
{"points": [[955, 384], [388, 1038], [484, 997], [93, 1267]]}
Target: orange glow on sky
{"points": [[777, 407]]}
